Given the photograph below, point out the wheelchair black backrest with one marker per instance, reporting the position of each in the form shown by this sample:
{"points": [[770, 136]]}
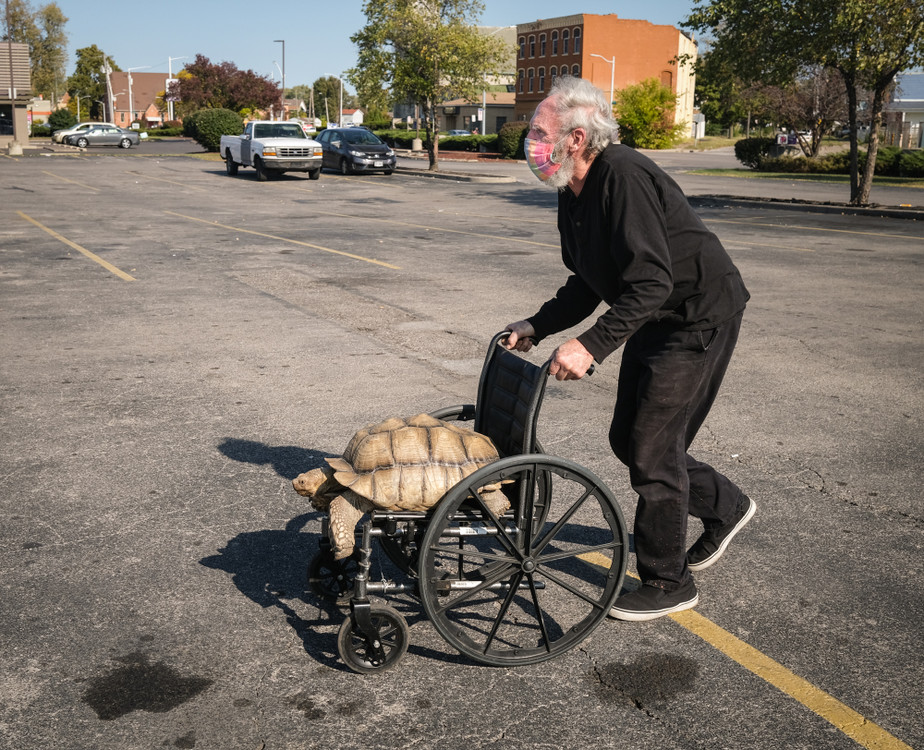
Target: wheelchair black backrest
{"points": [[509, 394]]}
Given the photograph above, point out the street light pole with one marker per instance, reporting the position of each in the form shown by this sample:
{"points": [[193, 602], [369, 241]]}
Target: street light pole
{"points": [[283, 43], [169, 78], [612, 62]]}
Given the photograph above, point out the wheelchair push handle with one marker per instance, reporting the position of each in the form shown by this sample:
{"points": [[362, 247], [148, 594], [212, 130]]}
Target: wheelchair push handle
{"points": [[501, 337]]}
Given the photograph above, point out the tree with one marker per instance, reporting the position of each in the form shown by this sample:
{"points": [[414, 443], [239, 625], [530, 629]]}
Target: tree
{"points": [[43, 31], [426, 52], [61, 119], [203, 84], [89, 80], [645, 113], [867, 41], [812, 104], [327, 98]]}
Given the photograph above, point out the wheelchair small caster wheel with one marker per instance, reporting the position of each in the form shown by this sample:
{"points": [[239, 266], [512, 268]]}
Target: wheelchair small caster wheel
{"points": [[376, 648], [332, 579]]}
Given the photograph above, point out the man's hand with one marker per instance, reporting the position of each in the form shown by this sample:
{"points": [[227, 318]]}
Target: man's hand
{"points": [[521, 336], [570, 361]]}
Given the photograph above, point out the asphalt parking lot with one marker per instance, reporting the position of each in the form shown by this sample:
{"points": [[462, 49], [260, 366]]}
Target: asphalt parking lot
{"points": [[179, 344]]}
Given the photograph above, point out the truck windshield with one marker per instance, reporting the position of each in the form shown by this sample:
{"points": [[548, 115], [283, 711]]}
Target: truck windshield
{"points": [[278, 130]]}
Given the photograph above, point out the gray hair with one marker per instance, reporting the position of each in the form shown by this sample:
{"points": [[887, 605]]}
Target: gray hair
{"points": [[580, 104]]}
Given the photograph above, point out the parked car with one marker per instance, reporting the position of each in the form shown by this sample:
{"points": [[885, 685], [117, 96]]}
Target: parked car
{"points": [[458, 132], [59, 135], [356, 150], [104, 135]]}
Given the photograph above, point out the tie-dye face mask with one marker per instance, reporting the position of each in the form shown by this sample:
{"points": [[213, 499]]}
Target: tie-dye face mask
{"points": [[539, 158]]}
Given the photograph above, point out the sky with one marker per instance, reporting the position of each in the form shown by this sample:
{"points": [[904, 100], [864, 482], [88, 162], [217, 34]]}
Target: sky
{"points": [[317, 35]]}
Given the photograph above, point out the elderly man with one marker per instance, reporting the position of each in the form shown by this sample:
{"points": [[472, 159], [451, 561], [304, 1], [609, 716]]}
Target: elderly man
{"points": [[675, 299]]}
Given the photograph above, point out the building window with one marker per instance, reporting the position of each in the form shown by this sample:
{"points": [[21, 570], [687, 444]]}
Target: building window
{"points": [[531, 80], [554, 42], [532, 46], [667, 79], [520, 76], [564, 42], [542, 79], [542, 45], [576, 71], [553, 74], [522, 47], [577, 41]]}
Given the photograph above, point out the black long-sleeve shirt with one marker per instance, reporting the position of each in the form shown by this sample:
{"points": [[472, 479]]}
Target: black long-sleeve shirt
{"points": [[631, 240]]}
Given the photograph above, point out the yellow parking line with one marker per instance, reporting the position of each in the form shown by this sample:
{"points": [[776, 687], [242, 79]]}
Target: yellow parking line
{"points": [[105, 264], [72, 182], [441, 229], [285, 239], [840, 716]]}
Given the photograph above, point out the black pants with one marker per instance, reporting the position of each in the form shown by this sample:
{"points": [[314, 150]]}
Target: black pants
{"points": [[668, 381]]}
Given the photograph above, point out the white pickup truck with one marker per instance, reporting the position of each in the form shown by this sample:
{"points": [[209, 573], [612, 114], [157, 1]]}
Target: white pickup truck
{"points": [[271, 148]]}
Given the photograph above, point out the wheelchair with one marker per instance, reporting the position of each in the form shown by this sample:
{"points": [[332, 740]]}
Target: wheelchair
{"points": [[503, 591]]}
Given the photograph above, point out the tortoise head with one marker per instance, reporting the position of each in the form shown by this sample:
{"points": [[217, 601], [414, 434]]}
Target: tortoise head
{"points": [[318, 485]]}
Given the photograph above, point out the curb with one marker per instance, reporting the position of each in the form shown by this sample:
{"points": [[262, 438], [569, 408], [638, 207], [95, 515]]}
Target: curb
{"points": [[915, 213], [457, 176]]}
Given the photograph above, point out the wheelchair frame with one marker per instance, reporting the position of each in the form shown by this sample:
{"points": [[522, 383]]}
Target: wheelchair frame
{"points": [[503, 591]]}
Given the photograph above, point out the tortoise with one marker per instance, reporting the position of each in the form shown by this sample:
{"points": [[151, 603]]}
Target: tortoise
{"points": [[398, 464]]}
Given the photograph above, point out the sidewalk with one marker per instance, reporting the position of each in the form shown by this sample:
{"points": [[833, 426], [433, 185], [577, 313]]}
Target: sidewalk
{"points": [[749, 190]]}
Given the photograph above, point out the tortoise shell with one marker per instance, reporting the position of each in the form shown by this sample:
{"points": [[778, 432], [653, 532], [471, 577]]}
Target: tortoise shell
{"points": [[409, 464]]}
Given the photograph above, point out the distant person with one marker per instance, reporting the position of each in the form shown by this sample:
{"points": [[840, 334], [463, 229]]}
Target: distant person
{"points": [[675, 299]]}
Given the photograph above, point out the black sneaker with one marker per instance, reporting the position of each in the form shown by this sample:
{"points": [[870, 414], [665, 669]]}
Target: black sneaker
{"points": [[710, 546], [650, 602]]}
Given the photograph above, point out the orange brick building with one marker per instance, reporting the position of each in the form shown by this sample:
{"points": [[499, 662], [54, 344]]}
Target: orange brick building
{"points": [[575, 44]]}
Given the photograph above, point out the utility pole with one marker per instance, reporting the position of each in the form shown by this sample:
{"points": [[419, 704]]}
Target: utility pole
{"points": [[283, 102], [107, 70]]}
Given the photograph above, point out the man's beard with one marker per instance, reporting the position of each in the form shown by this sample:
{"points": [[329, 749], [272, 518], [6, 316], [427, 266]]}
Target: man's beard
{"points": [[563, 174]]}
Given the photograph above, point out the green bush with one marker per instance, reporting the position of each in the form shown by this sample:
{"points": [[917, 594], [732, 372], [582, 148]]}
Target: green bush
{"points": [[752, 151], [61, 119], [189, 123], [912, 164], [41, 130], [397, 138], [468, 142], [164, 132], [510, 139], [212, 124], [888, 159], [891, 161]]}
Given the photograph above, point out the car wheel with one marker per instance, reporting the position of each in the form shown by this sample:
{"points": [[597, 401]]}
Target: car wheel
{"points": [[125, 143], [345, 167], [82, 143], [230, 165], [314, 174], [262, 174]]}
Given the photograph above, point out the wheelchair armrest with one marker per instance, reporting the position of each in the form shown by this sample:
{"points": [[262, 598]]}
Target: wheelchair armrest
{"points": [[459, 413]]}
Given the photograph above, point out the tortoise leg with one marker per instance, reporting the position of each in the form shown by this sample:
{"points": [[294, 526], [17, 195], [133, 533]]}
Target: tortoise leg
{"points": [[345, 511], [496, 501]]}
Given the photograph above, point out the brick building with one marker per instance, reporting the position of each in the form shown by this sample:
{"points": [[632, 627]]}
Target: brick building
{"points": [[575, 44], [137, 101]]}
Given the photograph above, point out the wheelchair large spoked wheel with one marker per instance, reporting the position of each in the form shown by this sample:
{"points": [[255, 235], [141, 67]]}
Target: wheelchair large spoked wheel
{"points": [[511, 591]]}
